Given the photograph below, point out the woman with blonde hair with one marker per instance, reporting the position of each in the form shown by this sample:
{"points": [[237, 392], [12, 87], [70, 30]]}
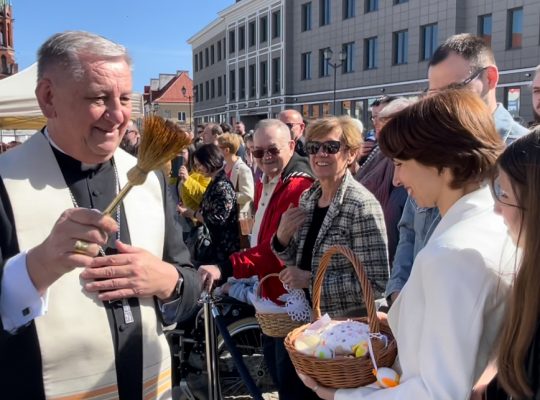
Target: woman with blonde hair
{"points": [[335, 210], [238, 173], [448, 315]]}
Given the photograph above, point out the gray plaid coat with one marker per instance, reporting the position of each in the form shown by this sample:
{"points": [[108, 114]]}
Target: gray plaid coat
{"points": [[354, 219]]}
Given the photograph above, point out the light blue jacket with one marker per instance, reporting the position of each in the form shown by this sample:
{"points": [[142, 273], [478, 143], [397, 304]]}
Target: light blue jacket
{"points": [[417, 223]]}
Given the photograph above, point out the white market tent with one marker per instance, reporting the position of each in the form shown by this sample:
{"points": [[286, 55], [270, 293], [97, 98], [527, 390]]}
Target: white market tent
{"points": [[19, 108]]}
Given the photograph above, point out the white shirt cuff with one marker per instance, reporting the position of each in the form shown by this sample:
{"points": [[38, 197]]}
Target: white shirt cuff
{"points": [[20, 302]]}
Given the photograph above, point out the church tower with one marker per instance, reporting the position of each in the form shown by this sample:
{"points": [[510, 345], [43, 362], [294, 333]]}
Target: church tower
{"points": [[7, 51]]}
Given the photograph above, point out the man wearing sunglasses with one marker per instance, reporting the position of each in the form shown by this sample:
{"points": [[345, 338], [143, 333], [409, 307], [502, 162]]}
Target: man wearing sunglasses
{"points": [[294, 121], [462, 61], [286, 176]]}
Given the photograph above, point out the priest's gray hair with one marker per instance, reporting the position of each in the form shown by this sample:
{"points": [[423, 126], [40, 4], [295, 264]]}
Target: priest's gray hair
{"points": [[66, 49]]}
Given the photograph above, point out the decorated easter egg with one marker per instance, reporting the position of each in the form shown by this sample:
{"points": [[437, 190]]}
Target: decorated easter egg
{"points": [[386, 377], [323, 352], [306, 344], [360, 349]]}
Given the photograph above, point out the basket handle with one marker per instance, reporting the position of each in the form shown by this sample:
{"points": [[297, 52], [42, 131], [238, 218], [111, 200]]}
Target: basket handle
{"points": [[258, 291], [369, 299]]}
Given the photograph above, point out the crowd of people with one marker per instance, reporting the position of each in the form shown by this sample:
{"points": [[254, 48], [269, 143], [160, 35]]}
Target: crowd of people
{"points": [[439, 206]]}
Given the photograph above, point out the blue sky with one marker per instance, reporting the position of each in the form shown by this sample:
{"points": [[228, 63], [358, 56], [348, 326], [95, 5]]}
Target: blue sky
{"points": [[154, 31]]}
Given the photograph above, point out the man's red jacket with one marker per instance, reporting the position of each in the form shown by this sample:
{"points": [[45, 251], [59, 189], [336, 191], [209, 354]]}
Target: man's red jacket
{"points": [[260, 260]]}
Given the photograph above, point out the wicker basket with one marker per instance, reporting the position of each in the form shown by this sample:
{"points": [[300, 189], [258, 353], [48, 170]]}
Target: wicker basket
{"points": [[275, 324], [344, 372]]}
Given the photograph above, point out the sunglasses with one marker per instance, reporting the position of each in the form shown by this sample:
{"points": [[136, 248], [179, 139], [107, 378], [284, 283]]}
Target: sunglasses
{"points": [[460, 85], [499, 194], [259, 153], [329, 147]]}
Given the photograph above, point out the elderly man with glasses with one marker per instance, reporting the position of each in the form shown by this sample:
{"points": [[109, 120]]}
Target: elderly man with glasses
{"points": [[286, 176], [462, 61]]}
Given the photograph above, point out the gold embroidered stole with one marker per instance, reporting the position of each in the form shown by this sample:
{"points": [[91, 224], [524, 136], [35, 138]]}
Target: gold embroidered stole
{"points": [[74, 335]]}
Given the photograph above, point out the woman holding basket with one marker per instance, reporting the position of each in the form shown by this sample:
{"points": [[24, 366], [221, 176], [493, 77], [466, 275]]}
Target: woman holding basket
{"points": [[449, 313], [335, 210]]}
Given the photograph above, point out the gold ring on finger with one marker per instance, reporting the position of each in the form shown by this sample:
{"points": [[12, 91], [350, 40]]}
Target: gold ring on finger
{"points": [[81, 246]]}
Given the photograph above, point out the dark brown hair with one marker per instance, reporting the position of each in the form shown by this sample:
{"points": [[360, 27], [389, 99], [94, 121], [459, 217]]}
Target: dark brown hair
{"points": [[521, 162], [468, 46], [450, 129]]}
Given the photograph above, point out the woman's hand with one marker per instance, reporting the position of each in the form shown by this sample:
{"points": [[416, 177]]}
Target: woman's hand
{"points": [[295, 277], [291, 221], [183, 173], [321, 391]]}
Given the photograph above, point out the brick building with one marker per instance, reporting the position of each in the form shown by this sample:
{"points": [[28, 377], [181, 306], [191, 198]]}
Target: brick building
{"points": [[7, 50], [171, 97]]}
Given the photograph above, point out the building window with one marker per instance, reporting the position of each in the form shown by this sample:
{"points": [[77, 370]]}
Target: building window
{"points": [[212, 56], [200, 60], [370, 53], [348, 8], [400, 47], [219, 50], [224, 50], [251, 33], [306, 66], [263, 26], [325, 12], [207, 91], [515, 28], [348, 63], [276, 75], [429, 41], [182, 116], [201, 92], [206, 60], [400, 1], [324, 66], [263, 71], [212, 88], [219, 83], [371, 5], [242, 83], [195, 63], [231, 42], [224, 85], [276, 24], [232, 85], [306, 17], [241, 38], [252, 81], [485, 28]]}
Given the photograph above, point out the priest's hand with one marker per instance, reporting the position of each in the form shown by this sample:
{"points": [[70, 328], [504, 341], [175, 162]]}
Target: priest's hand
{"points": [[133, 272], [73, 242]]}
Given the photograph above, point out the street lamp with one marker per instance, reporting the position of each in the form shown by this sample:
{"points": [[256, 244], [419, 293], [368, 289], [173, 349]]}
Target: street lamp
{"points": [[184, 90], [328, 53]]}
